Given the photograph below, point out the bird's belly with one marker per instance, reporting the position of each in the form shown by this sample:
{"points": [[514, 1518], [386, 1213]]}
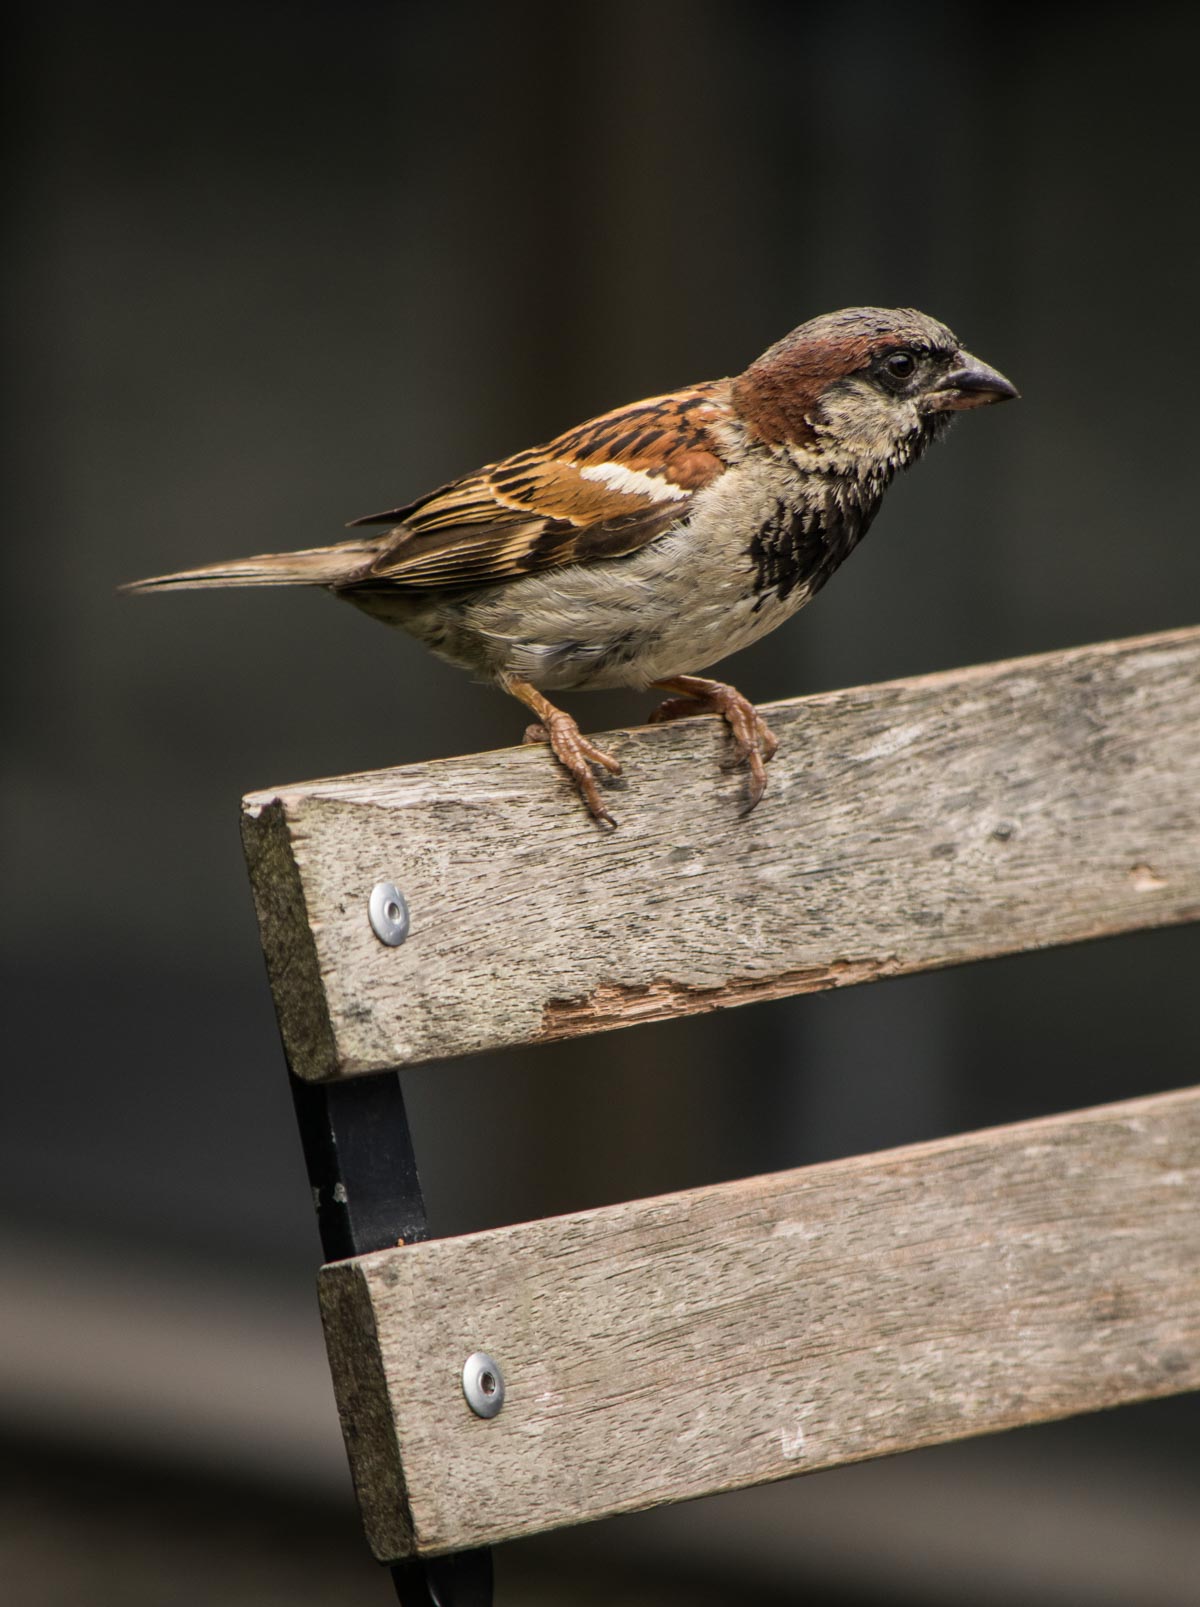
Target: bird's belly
{"points": [[663, 611], [687, 636]]}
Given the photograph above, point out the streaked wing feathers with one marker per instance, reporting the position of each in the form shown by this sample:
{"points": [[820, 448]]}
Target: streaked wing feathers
{"points": [[599, 491]]}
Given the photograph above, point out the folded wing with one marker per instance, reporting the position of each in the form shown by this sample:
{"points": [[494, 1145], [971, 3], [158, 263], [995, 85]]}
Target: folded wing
{"points": [[599, 491]]}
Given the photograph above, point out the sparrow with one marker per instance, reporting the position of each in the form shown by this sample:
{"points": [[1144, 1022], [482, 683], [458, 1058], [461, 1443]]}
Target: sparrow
{"points": [[655, 540]]}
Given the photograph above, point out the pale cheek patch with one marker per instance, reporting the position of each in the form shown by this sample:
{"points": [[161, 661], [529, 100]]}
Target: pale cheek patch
{"points": [[632, 481]]}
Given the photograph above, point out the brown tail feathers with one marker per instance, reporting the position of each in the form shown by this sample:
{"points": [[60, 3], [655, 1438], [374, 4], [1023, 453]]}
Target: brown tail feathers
{"points": [[316, 566]]}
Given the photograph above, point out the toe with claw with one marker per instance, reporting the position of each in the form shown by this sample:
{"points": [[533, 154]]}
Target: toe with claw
{"points": [[568, 744], [754, 743], [576, 755]]}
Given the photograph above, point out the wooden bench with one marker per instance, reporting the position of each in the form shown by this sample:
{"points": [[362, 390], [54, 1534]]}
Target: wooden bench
{"points": [[673, 1347]]}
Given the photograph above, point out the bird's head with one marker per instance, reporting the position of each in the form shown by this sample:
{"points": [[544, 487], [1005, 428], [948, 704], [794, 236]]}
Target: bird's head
{"points": [[864, 390]]}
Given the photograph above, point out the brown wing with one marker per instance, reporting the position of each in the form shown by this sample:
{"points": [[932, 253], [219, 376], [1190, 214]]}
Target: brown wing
{"points": [[599, 491]]}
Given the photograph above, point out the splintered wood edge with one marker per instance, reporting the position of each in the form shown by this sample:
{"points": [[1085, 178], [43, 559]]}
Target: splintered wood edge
{"points": [[727, 1336], [289, 950], [347, 1007], [364, 1410]]}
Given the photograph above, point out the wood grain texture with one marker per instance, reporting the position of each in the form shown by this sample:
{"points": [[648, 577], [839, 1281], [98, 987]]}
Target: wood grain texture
{"points": [[726, 1336], [356, 1360], [907, 825]]}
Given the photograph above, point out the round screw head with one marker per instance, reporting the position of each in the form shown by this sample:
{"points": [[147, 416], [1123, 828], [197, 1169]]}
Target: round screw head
{"points": [[483, 1384], [389, 914]]}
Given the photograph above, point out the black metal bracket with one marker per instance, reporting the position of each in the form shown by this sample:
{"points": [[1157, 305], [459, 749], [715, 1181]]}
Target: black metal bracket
{"points": [[359, 1154]]}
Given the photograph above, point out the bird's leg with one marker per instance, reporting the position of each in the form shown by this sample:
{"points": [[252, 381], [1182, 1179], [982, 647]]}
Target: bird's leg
{"points": [[571, 748], [755, 743]]}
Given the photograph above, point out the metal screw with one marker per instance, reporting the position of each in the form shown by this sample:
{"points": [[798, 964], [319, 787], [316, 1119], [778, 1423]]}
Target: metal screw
{"points": [[483, 1384], [389, 914]]}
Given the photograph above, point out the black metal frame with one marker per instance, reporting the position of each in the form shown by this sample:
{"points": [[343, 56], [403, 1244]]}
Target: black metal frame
{"points": [[359, 1154]]}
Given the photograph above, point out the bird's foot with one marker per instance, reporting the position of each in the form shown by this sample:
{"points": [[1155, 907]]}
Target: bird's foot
{"points": [[754, 743], [568, 743], [577, 755]]}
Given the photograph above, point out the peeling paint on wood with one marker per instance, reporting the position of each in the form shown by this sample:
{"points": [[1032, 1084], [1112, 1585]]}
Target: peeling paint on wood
{"points": [[617, 1005], [909, 825]]}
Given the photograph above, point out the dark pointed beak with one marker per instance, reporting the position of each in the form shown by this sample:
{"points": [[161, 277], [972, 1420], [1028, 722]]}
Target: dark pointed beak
{"points": [[969, 383]]}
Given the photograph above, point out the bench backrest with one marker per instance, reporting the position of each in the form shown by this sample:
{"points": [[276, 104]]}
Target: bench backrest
{"points": [[668, 1348]]}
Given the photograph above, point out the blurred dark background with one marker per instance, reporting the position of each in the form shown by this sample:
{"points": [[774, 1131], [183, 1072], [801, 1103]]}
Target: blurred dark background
{"points": [[275, 265]]}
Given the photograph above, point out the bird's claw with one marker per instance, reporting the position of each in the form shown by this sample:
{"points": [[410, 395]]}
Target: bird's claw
{"points": [[676, 708], [754, 743], [576, 755]]}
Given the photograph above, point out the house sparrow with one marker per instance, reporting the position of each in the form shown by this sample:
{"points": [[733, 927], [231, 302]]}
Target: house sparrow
{"points": [[654, 540]]}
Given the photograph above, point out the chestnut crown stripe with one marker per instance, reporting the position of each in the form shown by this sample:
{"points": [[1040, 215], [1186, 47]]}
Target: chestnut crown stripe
{"points": [[779, 392]]}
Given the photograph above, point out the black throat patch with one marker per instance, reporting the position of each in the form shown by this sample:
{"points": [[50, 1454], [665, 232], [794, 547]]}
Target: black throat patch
{"points": [[801, 544], [804, 541]]}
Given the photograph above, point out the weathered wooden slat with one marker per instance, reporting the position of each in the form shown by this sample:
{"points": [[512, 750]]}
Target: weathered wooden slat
{"points": [[908, 825], [727, 1336]]}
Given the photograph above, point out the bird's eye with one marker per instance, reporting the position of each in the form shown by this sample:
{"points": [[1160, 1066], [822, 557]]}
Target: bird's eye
{"points": [[901, 365]]}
